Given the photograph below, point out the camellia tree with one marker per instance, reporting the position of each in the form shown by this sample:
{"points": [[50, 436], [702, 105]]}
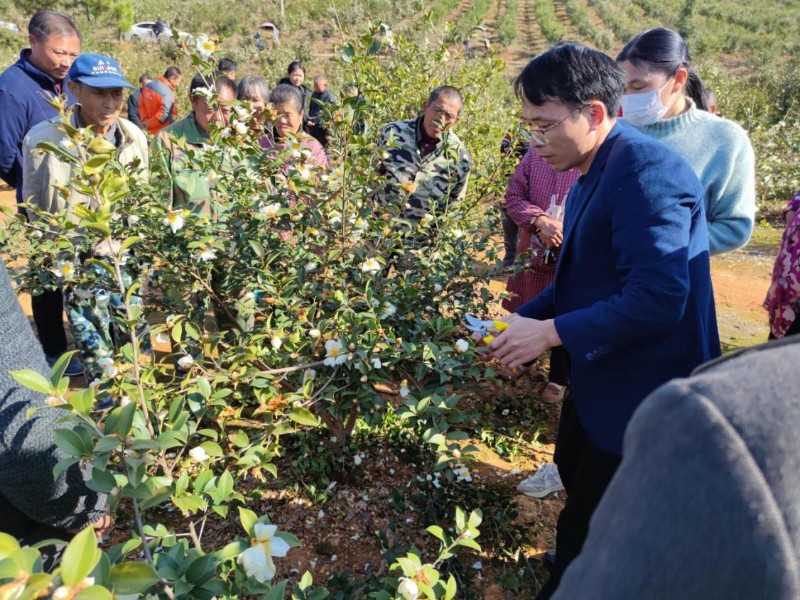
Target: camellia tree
{"points": [[293, 300]]}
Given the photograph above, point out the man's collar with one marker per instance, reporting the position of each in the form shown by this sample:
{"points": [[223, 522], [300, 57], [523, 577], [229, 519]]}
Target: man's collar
{"points": [[32, 69], [422, 138]]}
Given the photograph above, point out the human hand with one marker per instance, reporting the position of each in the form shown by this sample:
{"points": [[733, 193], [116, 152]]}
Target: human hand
{"points": [[550, 231], [524, 340]]}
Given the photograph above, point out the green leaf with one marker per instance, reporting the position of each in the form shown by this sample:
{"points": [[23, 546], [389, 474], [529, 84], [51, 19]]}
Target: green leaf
{"points": [[95, 164], [475, 518], [8, 545], [303, 416], [248, 520], [436, 532], [57, 372], [33, 380], [277, 591], [224, 487], [82, 401], [80, 557], [289, 538], [95, 592], [177, 332], [132, 577], [129, 242], [120, 420], [70, 442], [204, 387], [190, 504], [232, 550], [451, 589], [202, 569], [212, 449], [258, 249]]}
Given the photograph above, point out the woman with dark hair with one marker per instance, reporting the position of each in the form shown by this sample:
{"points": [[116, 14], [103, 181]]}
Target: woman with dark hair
{"points": [[288, 128], [665, 99], [296, 75]]}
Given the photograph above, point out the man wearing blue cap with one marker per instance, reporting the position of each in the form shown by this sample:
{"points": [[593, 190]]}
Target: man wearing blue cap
{"points": [[97, 84]]}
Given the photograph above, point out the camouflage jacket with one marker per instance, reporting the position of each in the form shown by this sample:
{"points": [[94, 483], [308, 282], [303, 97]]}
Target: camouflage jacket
{"points": [[179, 147], [426, 183]]}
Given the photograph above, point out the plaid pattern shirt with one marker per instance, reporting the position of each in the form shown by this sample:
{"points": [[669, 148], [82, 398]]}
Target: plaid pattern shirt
{"points": [[532, 189]]}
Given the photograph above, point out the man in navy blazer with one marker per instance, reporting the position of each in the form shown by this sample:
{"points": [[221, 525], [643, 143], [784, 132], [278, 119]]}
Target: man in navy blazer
{"points": [[632, 301]]}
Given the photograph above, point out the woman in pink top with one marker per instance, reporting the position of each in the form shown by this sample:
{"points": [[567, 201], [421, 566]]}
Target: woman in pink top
{"points": [[289, 124], [535, 201], [783, 298]]}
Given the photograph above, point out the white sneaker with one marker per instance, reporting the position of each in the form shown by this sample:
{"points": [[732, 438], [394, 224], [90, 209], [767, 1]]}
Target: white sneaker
{"points": [[542, 483]]}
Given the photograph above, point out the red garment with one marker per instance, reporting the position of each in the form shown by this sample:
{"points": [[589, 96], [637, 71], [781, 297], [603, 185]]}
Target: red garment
{"points": [[531, 191], [158, 106], [783, 298]]}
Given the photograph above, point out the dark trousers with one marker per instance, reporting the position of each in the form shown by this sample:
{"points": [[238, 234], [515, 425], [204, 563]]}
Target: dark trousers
{"points": [[559, 365], [48, 309], [510, 237], [794, 329], [29, 532], [586, 472]]}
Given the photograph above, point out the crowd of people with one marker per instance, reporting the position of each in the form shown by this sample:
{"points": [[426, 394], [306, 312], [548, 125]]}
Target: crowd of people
{"points": [[627, 183]]}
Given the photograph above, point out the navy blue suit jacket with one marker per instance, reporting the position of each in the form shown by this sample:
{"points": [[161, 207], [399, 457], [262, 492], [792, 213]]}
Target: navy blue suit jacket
{"points": [[632, 297]]}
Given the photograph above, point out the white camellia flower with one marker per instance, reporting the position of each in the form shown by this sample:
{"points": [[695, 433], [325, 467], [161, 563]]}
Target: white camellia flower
{"points": [[309, 375], [270, 211], [133, 219], [107, 364], [408, 589], [458, 233], [427, 219], [185, 362], [205, 92], [303, 171], [335, 353], [198, 454], [357, 460], [462, 346], [404, 391], [371, 266], [314, 333], [174, 220], [207, 255], [276, 342], [67, 144], [162, 338], [462, 474], [205, 46], [310, 266], [64, 269], [239, 127], [389, 310], [376, 363], [257, 559]]}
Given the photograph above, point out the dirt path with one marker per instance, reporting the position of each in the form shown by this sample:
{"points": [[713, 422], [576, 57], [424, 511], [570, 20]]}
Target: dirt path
{"points": [[529, 41]]}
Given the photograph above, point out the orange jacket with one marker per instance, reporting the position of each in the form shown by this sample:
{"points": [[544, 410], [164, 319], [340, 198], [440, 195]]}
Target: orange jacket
{"points": [[158, 105]]}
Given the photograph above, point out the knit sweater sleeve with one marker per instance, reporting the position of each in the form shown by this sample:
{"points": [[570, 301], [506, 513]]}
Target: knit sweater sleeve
{"points": [[731, 204], [28, 452]]}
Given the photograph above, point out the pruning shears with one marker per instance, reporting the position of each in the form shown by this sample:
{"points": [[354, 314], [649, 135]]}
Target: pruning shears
{"points": [[478, 326]]}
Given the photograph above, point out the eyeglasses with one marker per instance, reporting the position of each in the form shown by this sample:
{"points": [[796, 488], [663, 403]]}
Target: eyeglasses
{"points": [[539, 136]]}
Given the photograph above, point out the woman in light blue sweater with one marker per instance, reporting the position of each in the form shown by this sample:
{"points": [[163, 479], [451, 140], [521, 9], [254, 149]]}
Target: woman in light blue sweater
{"points": [[666, 99]]}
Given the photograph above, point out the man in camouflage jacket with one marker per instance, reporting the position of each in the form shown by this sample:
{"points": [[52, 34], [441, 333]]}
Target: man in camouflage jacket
{"points": [[425, 164]]}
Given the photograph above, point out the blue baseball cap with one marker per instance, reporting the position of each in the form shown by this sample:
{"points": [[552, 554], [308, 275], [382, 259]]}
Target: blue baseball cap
{"points": [[97, 71]]}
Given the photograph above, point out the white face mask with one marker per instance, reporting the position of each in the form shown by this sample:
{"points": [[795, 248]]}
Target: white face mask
{"points": [[644, 108]]}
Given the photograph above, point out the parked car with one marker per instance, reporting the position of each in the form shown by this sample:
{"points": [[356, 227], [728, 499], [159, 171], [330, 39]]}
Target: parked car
{"points": [[145, 31]]}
